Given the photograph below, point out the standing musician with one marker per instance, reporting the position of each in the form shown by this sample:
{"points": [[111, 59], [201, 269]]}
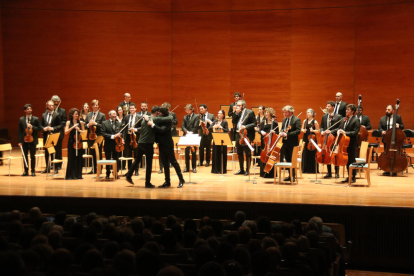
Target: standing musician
{"points": [[232, 109], [166, 148], [74, 127], [259, 118], [340, 106], [94, 118], [172, 128], [144, 109], [350, 127], [51, 123], [244, 119], [265, 128], [29, 122], [291, 135], [364, 119], [190, 125], [146, 145], [328, 120], [130, 130], [126, 103], [56, 100], [111, 130], [84, 112], [386, 123], [205, 142], [309, 126], [219, 152]]}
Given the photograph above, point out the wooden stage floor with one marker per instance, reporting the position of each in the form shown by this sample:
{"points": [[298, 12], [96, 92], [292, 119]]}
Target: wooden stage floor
{"points": [[384, 191]]}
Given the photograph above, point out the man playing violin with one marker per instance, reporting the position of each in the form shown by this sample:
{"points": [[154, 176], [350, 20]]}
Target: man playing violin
{"points": [[62, 112], [190, 125], [205, 142], [291, 130], [244, 119], [350, 126], [95, 118], [27, 123], [111, 130], [130, 130], [329, 119]]}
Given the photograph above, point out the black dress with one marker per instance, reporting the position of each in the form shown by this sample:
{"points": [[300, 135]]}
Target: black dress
{"points": [[267, 128], [74, 168], [308, 157], [219, 154], [257, 149]]}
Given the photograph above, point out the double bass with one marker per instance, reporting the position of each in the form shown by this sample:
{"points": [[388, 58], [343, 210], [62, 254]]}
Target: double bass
{"points": [[339, 154], [363, 132], [393, 159]]}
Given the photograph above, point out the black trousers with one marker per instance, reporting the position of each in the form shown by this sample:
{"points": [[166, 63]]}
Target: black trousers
{"points": [[241, 150], [148, 150], [166, 156], [93, 153], [205, 143], [114, 155], [288, 150], [128, 152], [58, 154], [330, 169], [351, 159], [29, 147], [193, 158]]}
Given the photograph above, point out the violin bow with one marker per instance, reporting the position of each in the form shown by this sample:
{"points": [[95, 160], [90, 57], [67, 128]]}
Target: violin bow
{"points": [[24, 157]]}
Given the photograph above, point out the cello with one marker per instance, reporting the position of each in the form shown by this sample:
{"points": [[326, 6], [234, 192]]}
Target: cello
{"points": [[268, 141], [324, 156], [393, 159], [363, 132], [339, 154], [274, 155]]}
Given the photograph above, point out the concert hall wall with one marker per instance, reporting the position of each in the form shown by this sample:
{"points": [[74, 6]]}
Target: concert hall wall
{"points": [[293, 52]]}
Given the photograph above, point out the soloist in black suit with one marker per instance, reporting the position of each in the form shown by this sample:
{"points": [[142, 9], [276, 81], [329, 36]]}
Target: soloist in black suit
{"points": [[108, 130], [99, 119], [292, 139], [324, 126], [190, 123], [173, 132], [205, 142], [57, 124], [247, 119], [36, 127]]}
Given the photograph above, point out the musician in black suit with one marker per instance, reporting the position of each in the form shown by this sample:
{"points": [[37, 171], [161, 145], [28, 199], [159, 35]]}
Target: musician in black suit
{"points": [[190, 125], [111, 130], [131, 120], [172, 128], [126, 103], [205, 142], [51, 123], [94, 118], [291, 136], [166, 148], [340, 106], [29, 122], [386, 121], [350, 126], [244, 119], [62, 112], [363, 119], [232, 110], [330, 119]]}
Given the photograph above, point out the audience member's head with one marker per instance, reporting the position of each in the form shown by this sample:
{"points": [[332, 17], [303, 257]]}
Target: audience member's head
{"points": [[211, 268], [90, 217], [190, 224], [55, 239], [68, 225], [35, 213], [60, 218], [114, 220], [224, 252], [214, 244], [153, 247], [290, 252], [147, 262], [269, 242], [169, 241], [80, 252], [232, 268], [45, 228], [15, 215], [318, 222], [239, 217], [45, 253], [313, 238], [124, 262], [253, 227], [26, 237], [157, 228], [264, 225], [39, 239], [297, 227], [286, 230], [242, 255], [14, 231], [97, 224], [61, 261], [137, 225], [206, 232], [312, 226], [205, 221], [303, 244], [203, 254], [109, 232], [245, 234], [92, 259], [275, 258], [147, 222], [171, 220], [110, 249], [170, 271], [189, 238]]}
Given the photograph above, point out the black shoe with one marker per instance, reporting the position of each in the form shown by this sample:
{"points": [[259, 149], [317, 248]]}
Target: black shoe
{"points": [[287, 179], [33, 174], [107, 177], [246, 173], [126, 175], [165, 185], [185, 170], [149, 185], [345, 181], [207, 163], [180, 185], [240, 172], [129, 180], [56, 171], [194, 171], [91, 172], [160, 171], [46, 171], [337, 175], [25, 174], [328, 175], [386, 173], [231, 151], [136, 173]]}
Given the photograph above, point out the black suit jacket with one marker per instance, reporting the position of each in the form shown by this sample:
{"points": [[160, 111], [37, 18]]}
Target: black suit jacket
{"points": [[107, 131], [35, 126], [200, 130], [351, 130], [342, 108], [57, 123], [365, 122], [100, 118], [137, 126], [192, 125], [249, 121], [293, 134], [336, 118], [173, 124], [231, 110], [383, 123], [163, 135], [127, 110]]}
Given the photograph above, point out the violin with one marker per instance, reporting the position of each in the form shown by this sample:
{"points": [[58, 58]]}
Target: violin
{"points": [[204, 127], [363, 132], [119, 145], [92, 129], [393, 159], [312, 136], [77, 145], [133, 143], [28, 138], [339, 154], [274, 155]]}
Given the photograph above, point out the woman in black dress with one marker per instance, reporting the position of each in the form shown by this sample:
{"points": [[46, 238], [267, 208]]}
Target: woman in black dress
{"points": [[266, 127], [219, 152], [120, 114], [74, 126], [259, 118], [309, 125], [84, 112]]}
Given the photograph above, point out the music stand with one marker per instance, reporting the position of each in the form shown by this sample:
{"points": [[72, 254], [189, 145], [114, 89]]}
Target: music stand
{"points": [[317, 148], [222, 139], [51, 141], [226, 108], [190, 140]]}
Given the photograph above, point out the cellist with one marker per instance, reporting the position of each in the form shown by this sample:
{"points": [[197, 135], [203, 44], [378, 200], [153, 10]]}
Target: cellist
{"points": [[265, 128], [131, 130], [27, 123], [328, 120], [350, 127], [95, 118]]}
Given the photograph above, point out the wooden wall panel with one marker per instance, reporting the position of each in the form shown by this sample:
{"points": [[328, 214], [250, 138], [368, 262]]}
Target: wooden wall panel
{"points": [[2, 119], [322, 57], [200, 5], [385, 59], [305, 4], [201, 60], [260, 57], [238, 5]]}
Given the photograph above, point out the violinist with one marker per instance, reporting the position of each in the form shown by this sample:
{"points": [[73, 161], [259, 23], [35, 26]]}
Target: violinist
{"points": [[205, 142], [27, 124], [94, 121], [329, 119], [84, 112], [190, 125], [56, 100], [350, 126], [111, 130], [131, 130], [51, 123], [232, 110], [291, 127], [364, 119], [219, 152], [244, 119], [74, 127], [173, 129], [126, 103], [120, 114], [340, 106], [267, 127], [309, 127]]}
